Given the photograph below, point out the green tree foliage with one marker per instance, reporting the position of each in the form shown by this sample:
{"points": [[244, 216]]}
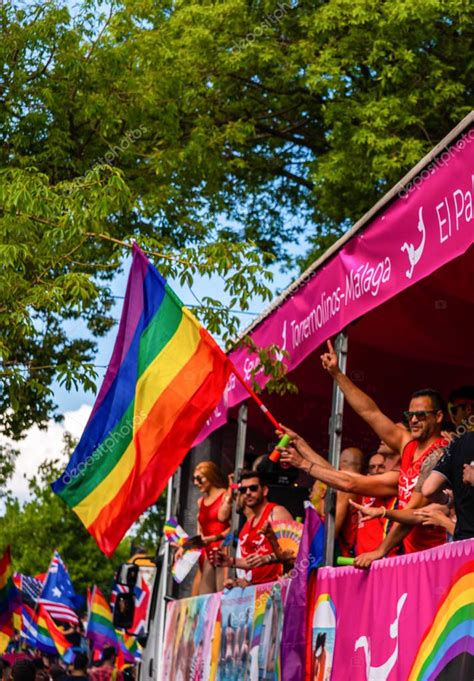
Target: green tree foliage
{"points": [[42, 524], [7, 467], [201, 129], [148, 531]]}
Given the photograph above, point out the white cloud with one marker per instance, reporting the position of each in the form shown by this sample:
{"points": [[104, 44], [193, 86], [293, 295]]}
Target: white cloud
{"points": [[40, 445]]}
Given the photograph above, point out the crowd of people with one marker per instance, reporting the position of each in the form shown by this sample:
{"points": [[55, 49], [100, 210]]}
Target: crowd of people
{"points": [[414, 493], [25, 665]]}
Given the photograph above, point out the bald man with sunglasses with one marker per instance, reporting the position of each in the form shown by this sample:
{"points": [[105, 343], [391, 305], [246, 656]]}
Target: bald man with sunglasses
{"points": [[425, 417]]}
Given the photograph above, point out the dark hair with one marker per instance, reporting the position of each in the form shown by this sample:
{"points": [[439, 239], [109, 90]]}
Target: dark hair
{"points": [[56, 672], [81, 661], [41, 675], [465, 392], [23, 670], [437, 400], [109, 653], [246, 475]]}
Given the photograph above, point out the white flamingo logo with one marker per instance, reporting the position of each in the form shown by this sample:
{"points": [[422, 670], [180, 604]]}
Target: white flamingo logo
{"points": [[382, 672], [414, 254], [279, 354]]}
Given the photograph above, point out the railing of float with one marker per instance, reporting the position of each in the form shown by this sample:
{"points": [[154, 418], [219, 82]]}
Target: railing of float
{"points": [[410, 618]]}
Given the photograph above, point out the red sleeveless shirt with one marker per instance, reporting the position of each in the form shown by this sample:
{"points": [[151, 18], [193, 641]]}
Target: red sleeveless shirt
{"points": [[372, 531], [210, 525], [421, 537], [251, 541]]}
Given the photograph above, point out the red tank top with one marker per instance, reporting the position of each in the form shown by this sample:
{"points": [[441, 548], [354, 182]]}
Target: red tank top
{"points": [[348, 534], [207, 518], [251, 541], [421, 537], [372, 531]]}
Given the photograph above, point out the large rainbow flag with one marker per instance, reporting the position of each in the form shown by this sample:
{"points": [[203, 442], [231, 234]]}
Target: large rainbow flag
{"points": [[100, 628], [165, 377], [8, 599]]}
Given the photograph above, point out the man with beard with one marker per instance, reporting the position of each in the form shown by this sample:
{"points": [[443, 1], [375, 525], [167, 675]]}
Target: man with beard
{"points": [[424, 416], [256, 550]]}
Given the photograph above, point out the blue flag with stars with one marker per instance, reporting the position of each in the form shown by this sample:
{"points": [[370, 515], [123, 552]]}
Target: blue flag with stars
{"points": [[58, 595]]}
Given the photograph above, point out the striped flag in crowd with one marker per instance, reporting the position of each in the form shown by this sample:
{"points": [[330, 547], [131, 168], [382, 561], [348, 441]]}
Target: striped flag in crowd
{"points": [[129, 651], [30, 587], [58, 596], [100, 628], [50, 639], [39, 631], [29, 628]]}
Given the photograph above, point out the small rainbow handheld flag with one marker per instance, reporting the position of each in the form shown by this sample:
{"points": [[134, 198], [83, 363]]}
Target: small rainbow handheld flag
{"points": [[165, 377], [173, 532], [100, 627], [9, 599]]}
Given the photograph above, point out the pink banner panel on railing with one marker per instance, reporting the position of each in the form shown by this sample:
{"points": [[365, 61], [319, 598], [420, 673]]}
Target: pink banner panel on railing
{"points": [[429, 224], [409, 618]]}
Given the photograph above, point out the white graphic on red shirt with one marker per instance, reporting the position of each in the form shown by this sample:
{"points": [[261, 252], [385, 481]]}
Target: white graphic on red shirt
{"points": [[406, 486]]}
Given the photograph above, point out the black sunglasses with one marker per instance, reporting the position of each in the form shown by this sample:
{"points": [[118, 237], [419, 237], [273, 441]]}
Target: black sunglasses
{"points": [[420, 414], [249, 488], [198, 479]]}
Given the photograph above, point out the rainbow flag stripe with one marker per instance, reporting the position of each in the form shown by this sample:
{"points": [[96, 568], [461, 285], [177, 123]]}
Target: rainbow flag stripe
{"points": [[262, 594], [9, 600], [452, 631], [165, 377], [128, 646], [49, 638], [100, 627]]}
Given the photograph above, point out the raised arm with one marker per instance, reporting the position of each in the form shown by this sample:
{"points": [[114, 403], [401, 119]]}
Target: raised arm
{"points": [[306, 451], [364, 405], [384, 485]]}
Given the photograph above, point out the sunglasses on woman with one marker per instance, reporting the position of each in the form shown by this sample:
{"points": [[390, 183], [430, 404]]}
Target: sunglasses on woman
{"points": [[198, 479]]}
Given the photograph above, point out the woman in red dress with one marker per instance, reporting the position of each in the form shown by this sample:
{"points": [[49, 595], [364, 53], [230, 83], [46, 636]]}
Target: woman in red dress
{"points": [[214, 510]]}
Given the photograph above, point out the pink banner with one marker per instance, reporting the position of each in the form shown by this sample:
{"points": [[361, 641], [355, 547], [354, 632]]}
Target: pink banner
{"points": [[409, 618], [428, 225]]}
